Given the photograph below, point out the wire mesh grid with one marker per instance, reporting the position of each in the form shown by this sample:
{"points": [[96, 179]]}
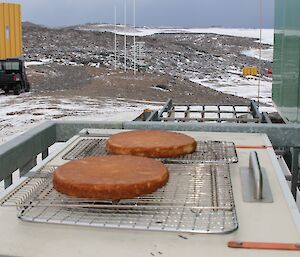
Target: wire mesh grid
{"points": [[207, 151], [198, 198], [86, 147], [207, 113], [33, 181]]}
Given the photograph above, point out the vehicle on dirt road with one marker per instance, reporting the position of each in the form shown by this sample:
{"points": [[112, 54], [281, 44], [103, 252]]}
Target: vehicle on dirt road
{"points": [[13, 76]]}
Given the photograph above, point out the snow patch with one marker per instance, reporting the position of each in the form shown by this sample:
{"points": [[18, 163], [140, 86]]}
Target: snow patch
{"points": [[266, 54], [38, 62], [267, 34], [21, 113], [238, 85]]}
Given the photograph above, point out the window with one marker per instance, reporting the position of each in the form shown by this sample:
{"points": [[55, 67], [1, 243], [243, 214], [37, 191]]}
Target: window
{"points": [[7, 32], [11, 66]]}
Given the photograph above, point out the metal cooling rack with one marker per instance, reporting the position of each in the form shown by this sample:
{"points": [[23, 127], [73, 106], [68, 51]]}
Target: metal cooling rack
{"points": [[33, 181], [198, 198], [207, 151], [87, 147]]}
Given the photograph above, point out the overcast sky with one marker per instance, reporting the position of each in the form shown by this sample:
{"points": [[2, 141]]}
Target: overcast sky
{"points": [[182, 13]]}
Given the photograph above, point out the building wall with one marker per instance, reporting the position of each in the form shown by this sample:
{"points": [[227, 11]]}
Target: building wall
{"points": [[286, 66], [10, 31]]}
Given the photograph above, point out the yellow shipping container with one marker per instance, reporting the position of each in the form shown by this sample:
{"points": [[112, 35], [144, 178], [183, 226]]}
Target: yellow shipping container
{"points": [[249, 71], [246, 71], [10, 31]]}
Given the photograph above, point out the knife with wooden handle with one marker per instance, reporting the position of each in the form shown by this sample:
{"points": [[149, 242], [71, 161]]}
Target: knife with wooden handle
{"points": [[263, 245]]}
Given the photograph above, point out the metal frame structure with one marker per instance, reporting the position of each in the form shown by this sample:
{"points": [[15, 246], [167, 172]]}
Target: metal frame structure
{"points": [[209, 113]]}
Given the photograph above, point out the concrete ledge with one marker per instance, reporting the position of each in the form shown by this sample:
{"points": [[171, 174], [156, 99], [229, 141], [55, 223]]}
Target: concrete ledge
{"points": [[279, 134], [17, 152], [66, 129]]}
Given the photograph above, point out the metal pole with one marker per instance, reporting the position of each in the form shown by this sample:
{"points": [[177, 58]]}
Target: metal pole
{"points": [[125, 35], [134, 48], [295, 170], [260, 46], [115, 38]]}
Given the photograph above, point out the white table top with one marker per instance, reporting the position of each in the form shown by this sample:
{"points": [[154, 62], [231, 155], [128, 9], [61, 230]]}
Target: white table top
{"points": [[260, 222]]}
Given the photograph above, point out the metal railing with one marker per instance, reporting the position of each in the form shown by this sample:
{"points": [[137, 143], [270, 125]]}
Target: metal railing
{"points": [[208, 113]]}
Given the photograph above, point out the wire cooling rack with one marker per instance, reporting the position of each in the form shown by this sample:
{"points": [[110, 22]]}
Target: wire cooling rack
{"points": [[198, 198], [206, 152]]}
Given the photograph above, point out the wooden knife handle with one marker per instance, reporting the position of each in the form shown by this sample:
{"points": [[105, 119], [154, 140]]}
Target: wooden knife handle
{"points": [[263, 245]]}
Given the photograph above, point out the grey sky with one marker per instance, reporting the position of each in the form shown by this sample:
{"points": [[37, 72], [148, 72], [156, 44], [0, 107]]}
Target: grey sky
{"points": [[184, 13]]}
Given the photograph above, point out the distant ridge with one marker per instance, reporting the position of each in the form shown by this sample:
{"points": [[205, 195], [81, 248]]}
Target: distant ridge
{"points": [[29, 24]]}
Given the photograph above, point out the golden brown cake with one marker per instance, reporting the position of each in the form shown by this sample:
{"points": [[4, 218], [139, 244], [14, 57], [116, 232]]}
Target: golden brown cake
{"points": [[110, 177], [151, 143]]}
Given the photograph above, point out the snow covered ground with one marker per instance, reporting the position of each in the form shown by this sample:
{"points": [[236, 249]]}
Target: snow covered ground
{"points": [[39, 62], [249, 87], [267, 34], [244, 87], [231, 81], [266, 54], [20, 113]]}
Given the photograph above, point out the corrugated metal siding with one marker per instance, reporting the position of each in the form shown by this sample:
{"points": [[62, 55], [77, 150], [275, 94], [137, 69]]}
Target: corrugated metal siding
{"points": [[10, 31]]}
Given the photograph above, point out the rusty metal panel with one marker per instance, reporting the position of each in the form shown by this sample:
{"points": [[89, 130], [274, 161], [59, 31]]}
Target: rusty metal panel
{"points": [[10, 31]]}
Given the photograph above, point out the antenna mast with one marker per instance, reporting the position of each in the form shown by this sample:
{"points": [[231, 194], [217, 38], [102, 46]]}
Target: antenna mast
{"points": [[260, 46], [134, 48], [125, 35], [115, 38]]}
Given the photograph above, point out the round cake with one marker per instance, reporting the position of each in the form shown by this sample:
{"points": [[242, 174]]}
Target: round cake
{"points": [[151, 143], [110, 177]]}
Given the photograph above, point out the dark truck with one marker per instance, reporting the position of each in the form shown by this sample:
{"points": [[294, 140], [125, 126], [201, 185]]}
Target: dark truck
{"points": [[13, 76]]}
